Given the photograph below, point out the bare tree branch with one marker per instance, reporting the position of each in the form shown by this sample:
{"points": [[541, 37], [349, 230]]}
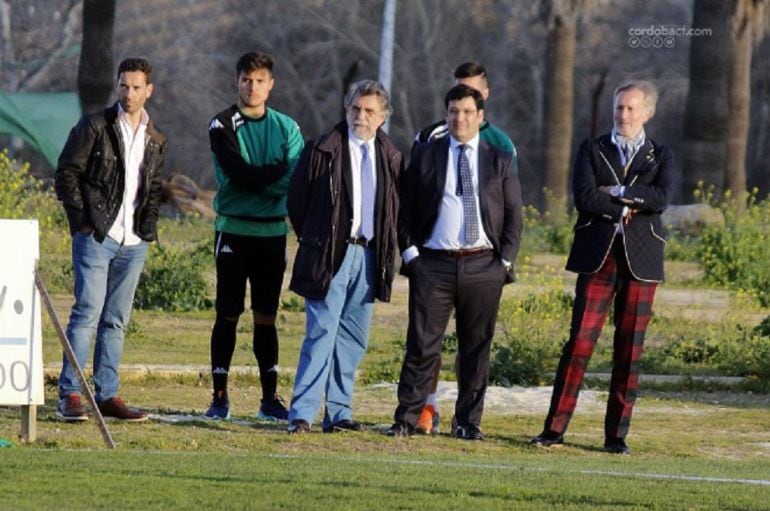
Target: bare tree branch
{"points": [[67, 38]]}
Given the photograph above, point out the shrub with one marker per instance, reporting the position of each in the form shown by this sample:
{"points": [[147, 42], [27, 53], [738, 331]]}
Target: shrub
{"points": [[734, 256], [386, 369], [14, 185], [533, 331], [550, 231], [23, 196], [763, 328], [293, 304], [681, 247], [172, 279], [725, 348]]}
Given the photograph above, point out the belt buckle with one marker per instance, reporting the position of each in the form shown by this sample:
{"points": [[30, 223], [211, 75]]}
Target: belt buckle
{"points": [[358, 240]]}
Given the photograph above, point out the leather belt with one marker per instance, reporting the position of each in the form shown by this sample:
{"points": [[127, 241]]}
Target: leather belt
{"points": [[460, 252], [360, 241]]}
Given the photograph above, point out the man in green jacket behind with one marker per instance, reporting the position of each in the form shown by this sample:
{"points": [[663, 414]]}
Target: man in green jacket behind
{"points": [[254, 150]]}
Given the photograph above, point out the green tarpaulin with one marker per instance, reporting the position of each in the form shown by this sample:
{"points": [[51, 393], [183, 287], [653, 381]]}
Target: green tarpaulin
{"points": [[43, 120]]}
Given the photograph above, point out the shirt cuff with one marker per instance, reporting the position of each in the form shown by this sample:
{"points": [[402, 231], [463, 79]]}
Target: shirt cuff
{"points": [[410, 253]]}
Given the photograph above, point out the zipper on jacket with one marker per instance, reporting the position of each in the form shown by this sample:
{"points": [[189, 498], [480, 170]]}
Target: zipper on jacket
{"points": [[332, 193]]}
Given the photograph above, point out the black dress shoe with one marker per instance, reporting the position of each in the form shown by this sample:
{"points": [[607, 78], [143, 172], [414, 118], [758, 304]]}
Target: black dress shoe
{"points": [[400, 428], [345, 425], [617, 446], [548, 439], [298, 427], [469, 432]]}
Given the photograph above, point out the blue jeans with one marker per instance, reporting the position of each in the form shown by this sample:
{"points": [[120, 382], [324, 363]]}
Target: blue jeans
{"points": [[106, 276], [335, 341]]}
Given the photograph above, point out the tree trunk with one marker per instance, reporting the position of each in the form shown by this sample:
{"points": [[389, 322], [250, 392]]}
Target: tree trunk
{"points": [[705, 118], [560, 94], [739, 99], [95, 70], [7, 60]]}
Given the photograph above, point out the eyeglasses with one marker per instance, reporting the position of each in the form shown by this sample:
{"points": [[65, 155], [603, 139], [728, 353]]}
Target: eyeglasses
{"points": [[455, 112], [369, 112]]}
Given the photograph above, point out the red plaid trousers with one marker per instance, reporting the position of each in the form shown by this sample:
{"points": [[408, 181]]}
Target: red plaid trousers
{"points": [[633, 311]]}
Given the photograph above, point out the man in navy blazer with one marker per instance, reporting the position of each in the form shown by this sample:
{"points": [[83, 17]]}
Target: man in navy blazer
{"points": [[459, 226], [622, 183]]}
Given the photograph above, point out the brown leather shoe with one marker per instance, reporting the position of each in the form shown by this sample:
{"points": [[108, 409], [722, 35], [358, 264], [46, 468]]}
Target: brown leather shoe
{"points": [[115, 408], [71, 409]]}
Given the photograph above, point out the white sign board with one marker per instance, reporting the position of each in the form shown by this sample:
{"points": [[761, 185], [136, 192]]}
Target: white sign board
{"points": [[21, 346]]}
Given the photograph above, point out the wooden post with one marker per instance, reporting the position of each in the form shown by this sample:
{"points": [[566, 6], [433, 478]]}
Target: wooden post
{"points": [[28, 423], [71, 357]]}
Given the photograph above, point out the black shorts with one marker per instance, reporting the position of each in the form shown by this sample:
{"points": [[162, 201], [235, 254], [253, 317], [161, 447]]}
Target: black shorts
{"points": [[259, 260]]}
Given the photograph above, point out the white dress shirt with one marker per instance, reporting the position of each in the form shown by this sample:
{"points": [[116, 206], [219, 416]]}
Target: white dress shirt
{"points": [[449, 231], [122, 230], [363, 200]]}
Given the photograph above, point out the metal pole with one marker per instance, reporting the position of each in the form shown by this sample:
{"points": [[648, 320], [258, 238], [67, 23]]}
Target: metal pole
{"points": [[71, 357], [386, 49]]}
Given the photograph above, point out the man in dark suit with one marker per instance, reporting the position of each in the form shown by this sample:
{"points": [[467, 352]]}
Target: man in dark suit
{"points": [[622, 183], [459, 227]]}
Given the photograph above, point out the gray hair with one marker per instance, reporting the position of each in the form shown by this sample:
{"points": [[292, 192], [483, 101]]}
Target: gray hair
{"points": [[369, 88], [648, 89]]}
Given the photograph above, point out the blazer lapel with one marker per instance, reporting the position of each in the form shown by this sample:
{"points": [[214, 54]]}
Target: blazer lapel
{"points": [[484, 168], [440, 160], [611, 157]]}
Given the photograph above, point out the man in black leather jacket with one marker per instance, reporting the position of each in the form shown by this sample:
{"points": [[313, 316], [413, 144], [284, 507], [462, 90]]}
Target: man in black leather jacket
{"points": [[109, 180], [622, 183]]}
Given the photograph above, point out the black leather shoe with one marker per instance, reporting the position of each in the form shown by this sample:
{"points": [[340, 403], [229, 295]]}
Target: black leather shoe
{"points": [[469, 432], [400, 428], [617, 446], [548, 439], [298, 427], [345, 425]]}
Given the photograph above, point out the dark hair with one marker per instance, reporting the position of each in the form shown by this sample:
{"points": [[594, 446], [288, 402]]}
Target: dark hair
{"points": [[369, 88], [136, 64], [470, 69], [252, 61], [461, 91]]}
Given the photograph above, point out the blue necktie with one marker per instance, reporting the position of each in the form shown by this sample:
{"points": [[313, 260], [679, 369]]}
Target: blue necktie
{"points": [[465, 189], [367, 192]]}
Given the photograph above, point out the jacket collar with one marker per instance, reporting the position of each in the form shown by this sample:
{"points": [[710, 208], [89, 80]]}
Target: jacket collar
{"points": [[644, 156], [333, 141], [111, 115]]}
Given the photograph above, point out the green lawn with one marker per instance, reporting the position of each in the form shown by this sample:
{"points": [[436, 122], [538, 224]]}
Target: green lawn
{"points": [[692, 449]]}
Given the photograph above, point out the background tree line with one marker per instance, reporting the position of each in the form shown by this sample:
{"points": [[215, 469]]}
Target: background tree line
{"points": [[553, 65]]}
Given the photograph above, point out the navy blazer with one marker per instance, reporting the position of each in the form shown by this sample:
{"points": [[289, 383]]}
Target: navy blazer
{"points": [[649, 184], [422, 188]]}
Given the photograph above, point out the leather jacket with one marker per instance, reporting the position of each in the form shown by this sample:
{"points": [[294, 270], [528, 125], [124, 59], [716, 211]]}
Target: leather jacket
{"points": [[90, 176]]}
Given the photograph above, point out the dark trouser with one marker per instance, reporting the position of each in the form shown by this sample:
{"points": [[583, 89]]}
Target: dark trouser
{"points": [[633, 310], [260, 261], [471, 285]]}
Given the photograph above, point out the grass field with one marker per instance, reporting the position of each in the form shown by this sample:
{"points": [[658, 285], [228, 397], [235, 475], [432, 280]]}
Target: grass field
{"points": [[692, 449]]}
